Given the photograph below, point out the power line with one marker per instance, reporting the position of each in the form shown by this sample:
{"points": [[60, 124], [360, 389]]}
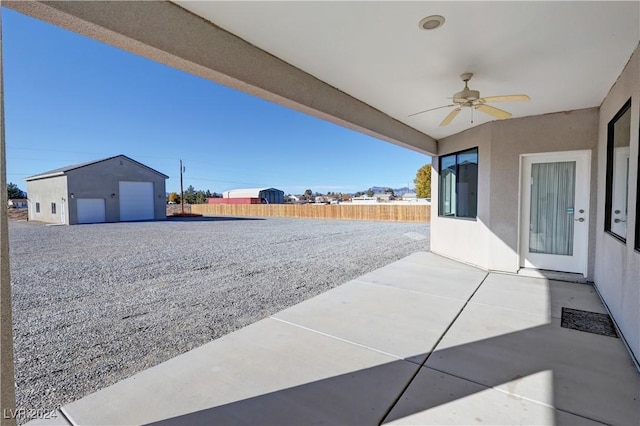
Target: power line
{"points": [[139, 158], [220, 181]]}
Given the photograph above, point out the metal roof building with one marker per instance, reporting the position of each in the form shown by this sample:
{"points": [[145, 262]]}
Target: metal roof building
{"points": [[271, 195]]}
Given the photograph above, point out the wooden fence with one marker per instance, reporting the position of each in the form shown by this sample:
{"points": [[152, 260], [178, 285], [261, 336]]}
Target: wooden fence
{"points": [[383, 212]]}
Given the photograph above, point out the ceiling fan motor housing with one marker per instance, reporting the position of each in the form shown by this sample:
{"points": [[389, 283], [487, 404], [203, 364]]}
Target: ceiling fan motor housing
{"points": [[466, 95]]}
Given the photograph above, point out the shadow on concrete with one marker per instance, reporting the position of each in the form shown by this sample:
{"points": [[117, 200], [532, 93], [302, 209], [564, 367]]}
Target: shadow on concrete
{"points": [[356, 397]]}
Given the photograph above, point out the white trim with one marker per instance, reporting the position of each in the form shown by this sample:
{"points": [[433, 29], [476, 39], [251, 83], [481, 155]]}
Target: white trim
{"points": [[520, 215]]}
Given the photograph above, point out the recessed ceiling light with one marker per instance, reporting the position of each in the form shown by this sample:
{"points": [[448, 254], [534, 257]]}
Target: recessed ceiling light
{"points": [[431, 22]]}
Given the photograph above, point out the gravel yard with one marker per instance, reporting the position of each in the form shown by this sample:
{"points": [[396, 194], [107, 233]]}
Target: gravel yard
{"points": [[94, 304]]}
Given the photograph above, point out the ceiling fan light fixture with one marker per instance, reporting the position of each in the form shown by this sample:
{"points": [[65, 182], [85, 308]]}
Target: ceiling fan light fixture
{"points": [[466, 95], [431, 22]]}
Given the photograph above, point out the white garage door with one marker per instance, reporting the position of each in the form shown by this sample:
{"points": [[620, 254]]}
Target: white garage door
{"points": [[136, 201], [91, 210]]}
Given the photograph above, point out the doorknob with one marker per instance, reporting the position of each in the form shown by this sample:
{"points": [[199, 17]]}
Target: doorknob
{"points": [[618, 220], [580, 219]]}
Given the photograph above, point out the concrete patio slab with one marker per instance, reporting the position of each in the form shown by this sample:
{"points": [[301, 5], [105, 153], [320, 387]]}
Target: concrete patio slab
{"points": [[434, 278], [537, 295], [528, 355], [267, 373], [427, 258], [386, 319], [436, 398]]}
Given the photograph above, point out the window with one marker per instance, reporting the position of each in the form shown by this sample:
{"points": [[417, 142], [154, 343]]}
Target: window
{"points": [[37, 207], [53, 208], [459, 184], [617, 184]]}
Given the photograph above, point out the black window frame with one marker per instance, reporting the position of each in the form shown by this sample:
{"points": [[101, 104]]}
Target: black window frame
{"points": [[609, 175], [475, 150], [637, 236], [37, 207], [54, 208]]}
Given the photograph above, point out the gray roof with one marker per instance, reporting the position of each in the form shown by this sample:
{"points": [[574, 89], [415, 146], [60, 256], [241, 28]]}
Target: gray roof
{"points": [[63, 170]]}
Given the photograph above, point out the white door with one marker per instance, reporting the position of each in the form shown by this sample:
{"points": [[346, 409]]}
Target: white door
{"points": [[136, 201], [91, 210], [554, 227]]}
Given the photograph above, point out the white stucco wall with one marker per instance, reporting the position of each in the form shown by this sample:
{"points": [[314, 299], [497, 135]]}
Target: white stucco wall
{"points": [[617, 265], [45, 192]]}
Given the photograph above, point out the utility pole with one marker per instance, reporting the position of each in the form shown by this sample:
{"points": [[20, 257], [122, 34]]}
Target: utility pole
{"points": [[181, 188]]}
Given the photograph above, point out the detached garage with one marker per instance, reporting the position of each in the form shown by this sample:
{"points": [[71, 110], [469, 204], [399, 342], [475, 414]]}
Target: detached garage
{"points": [[109, 190]]}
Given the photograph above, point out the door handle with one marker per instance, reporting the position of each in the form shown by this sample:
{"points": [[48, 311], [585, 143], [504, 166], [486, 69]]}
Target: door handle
{"points": [[619, 220], [580, 219]]}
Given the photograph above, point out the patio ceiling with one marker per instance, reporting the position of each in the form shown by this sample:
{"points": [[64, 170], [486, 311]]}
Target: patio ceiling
{"points": [[564, 55]]}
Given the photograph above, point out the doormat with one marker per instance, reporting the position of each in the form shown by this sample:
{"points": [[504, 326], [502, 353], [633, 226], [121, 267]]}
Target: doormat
{"points": [[591, 322]]}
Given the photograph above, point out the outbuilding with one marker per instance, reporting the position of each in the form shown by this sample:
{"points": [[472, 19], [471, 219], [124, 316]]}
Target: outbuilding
{"points": [[17, 203], [113, 189], [264, 195]]}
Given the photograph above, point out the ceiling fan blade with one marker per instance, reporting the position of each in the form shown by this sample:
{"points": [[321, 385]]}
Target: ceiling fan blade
{"points": [[497, 113], [505, 98], [449, 118], [432, 109]]}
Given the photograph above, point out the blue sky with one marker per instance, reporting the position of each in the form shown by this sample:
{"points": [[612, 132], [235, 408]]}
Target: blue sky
{"points": [[70, 99]]}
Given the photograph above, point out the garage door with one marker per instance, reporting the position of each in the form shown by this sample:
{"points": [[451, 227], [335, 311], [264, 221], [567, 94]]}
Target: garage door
{"points": [[91, 210], [136, 201]]}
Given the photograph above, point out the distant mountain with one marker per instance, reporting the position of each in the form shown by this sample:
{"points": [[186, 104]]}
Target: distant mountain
{"points": [[396, 191], [381, 189]]}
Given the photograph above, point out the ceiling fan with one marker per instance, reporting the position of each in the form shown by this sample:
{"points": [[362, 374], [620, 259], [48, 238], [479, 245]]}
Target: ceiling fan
{"points": [[468, 98]]}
